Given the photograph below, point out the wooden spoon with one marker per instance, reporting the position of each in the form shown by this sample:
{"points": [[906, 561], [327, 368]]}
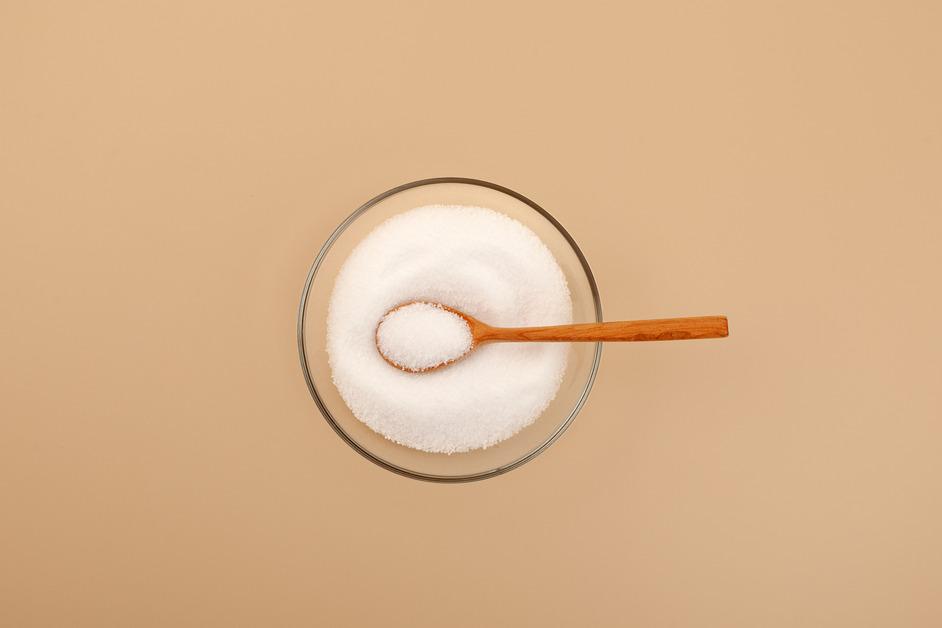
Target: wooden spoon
{"points": [[692, 328]]}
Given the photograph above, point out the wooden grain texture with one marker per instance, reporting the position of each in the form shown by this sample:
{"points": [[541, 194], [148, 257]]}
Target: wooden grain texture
{"points": [[692, 328]]}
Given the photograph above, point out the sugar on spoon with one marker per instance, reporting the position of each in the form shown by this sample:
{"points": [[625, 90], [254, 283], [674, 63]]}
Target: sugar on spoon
{"points": [[421, 336]]}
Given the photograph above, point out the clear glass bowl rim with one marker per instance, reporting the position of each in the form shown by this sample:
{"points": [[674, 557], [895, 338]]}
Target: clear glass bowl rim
{"points": [[312, 387]]}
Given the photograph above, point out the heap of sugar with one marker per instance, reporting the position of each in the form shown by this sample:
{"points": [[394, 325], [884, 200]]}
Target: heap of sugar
{"points": [[419, 336], [477, 261]]}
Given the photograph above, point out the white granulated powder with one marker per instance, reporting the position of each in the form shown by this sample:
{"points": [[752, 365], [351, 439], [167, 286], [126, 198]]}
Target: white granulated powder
{"points": [[420, 336], [477, 261]]}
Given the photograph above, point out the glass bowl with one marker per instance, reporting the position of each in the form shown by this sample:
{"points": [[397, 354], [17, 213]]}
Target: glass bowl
{"points": [[473, 465]]}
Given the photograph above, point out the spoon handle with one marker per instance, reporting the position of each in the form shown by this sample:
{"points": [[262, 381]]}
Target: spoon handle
{"points": [[619, 331]]}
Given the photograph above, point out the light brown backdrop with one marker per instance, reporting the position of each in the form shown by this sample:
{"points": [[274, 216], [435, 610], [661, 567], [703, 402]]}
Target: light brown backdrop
{"points": [[168, 171]]}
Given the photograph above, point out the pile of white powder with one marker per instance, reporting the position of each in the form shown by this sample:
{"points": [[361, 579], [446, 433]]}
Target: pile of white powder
{"points": [[420, 336], [477, 261]]}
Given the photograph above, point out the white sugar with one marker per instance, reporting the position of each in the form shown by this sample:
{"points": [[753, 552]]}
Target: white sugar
{"points": [[477, 261], [420, 336]]}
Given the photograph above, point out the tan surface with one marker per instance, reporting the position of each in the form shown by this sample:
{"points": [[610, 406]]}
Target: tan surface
{"points": [[166, 175]]}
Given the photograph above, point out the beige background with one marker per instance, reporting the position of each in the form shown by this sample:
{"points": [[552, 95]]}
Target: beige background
{"points": [[168, 172]]}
